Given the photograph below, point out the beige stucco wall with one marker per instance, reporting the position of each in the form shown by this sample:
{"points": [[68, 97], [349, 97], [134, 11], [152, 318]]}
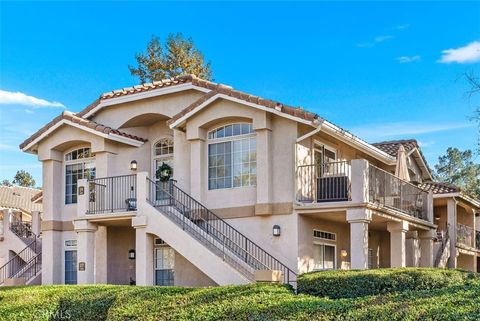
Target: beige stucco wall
{"points": [[119, 241], [466, 262], [186, 274]]}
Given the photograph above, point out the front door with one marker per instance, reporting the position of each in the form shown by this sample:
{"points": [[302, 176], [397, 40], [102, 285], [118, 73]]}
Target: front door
{"points": [[163, 154]]}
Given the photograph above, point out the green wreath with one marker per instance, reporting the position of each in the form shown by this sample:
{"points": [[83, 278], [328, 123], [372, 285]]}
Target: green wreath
{"points": [[164, 172]]}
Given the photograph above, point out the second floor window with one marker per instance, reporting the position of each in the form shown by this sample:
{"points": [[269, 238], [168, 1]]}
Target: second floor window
{"points": [[79, 164], [232, 157]]}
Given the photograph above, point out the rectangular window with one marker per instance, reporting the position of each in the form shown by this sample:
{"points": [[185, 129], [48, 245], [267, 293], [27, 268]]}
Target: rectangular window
{"points": [[74, 172], [164, 265], [71, 267], [324, 235], [323, 256], [232, 164]]}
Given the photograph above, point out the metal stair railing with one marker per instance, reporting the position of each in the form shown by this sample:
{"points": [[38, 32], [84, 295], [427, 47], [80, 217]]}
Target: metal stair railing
{"points": [[444, 240], [18, 263], [219, 236]]}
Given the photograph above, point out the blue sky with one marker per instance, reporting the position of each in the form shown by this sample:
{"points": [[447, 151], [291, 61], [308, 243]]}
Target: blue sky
{"points": [[383, 70]]}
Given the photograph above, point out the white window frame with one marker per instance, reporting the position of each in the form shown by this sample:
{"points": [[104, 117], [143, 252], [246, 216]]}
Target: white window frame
{"points": [[74, 162], [326, 146], [232, 138], [334, 245], [321, 238]]}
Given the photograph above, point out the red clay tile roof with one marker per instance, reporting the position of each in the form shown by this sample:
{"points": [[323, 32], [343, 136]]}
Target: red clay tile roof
{"points": [[148, 87], [391, 147], [18, 197], [439, 188], [83, 122], [228, 91]]}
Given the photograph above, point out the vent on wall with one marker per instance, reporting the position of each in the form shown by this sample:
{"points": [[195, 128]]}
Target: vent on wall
{"points": [[324, 235], [159, 241]]}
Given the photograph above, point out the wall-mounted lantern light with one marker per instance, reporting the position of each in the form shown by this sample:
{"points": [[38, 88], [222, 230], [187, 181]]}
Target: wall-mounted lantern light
{"points": [[343, 253], [131, 254], [133, 165], [276, 230]]}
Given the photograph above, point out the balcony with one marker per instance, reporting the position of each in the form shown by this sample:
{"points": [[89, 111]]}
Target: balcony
{"points": [[466, 236], [112, 194], [360, 182]]}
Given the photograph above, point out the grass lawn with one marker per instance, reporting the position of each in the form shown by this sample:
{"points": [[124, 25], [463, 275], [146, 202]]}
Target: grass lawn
{"points": [[459, 300]]}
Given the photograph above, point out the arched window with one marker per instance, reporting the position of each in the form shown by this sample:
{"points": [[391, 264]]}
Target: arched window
{"points": [[79, 164], [232, 156], [164, 147]]}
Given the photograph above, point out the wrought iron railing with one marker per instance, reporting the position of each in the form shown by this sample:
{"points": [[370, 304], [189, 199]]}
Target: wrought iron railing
{"points": [[465, 235], [443, 237], [219, 236], [112, 194], [390, 191], [25, 264], [477, 240], [326, 182], [22, 229]]}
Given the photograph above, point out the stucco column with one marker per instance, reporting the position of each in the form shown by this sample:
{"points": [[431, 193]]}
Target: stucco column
{"points": [[359, 180], [36, 222], [426, 247], [101, 268], [452, 231], [412, 249], [264, 172], [359, 219], [83, 197], [143, 252], [397, 231], [430, 208], [197, 168], [5, 224], [85, 251]]}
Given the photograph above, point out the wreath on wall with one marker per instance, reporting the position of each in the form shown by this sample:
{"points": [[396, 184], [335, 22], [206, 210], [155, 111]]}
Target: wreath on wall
{"points": [[164, 172]]}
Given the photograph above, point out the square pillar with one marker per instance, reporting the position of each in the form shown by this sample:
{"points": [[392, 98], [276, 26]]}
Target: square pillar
{"points": [[36, 222], [85, 251], [359, 181], [143, 252], [452, 232], [359, 220], [426, 247], [398, 232], [197, 169], [264, 172]]}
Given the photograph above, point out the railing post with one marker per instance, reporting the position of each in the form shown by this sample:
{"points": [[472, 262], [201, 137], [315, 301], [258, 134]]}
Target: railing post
{"points": [[82, 197], [360, 181]]}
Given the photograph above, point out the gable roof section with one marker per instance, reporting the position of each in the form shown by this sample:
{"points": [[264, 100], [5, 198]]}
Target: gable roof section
{"points": [[294, 113], [410, 145], [18, 197], [84, 124], [147, 90]]}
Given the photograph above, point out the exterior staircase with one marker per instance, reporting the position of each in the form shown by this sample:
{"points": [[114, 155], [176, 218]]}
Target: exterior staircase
{"points": [[26, 264], [206, 240]]}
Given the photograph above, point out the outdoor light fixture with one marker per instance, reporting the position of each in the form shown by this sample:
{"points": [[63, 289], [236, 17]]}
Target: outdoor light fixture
{"points": [[133, 165], [343, 253], [131, 254], [276, 230]]}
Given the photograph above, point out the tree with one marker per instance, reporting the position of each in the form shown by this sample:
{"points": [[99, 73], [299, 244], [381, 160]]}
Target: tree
{"points": [[179, 57], [6, 182], [457, 167], [23, 178], [474, 82]]}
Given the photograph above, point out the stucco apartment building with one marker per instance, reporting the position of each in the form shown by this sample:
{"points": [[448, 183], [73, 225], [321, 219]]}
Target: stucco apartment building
{"points": [[192, 183]]}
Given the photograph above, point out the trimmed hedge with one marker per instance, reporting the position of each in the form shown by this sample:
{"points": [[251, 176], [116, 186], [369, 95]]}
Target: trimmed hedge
{"points": [[247, 302], [357, 283]]}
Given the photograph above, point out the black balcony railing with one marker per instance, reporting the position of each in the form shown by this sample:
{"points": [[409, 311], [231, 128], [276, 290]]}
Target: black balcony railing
{"points": [[390, 191], [477, 240], [465, 235], [216, 234], [327, 182], [22, 229], [112, 194]]}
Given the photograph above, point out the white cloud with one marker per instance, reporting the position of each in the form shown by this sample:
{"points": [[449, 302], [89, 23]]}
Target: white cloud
{"points": [[10, 148], [462, 55], [407, 59], [376, 40], [19, 98], [403, 27], [376, 132]]}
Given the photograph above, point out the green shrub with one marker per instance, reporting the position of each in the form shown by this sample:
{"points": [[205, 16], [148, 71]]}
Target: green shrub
{"points": [[357, 283]]}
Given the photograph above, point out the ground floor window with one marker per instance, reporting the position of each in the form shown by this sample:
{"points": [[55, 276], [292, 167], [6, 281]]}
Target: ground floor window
{"points": [[164, 265], [71, 267], [323, 256]]}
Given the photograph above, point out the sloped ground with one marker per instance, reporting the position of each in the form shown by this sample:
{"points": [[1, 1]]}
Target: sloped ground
{"points": [[459, 300]]}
